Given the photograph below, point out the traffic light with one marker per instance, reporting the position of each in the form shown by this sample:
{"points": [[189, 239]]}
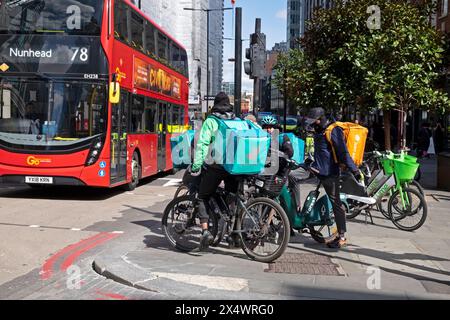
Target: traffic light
{"points": [[256, 54], [248, 65]]}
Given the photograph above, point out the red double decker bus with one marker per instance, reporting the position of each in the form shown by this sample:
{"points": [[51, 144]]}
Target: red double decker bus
{"points": [[58, 65]]}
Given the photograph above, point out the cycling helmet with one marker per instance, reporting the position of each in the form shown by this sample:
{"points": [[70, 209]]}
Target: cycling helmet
{"points": [[269, 121]]}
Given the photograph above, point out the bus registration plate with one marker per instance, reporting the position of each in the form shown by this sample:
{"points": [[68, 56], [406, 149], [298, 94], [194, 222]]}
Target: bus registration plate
{"points": [[40, 180]]}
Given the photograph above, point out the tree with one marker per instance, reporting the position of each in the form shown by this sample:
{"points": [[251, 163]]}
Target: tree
{"points": [[380, 54]]}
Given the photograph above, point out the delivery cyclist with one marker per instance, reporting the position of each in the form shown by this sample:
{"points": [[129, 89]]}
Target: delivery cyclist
{"points": [[213, 174], [328, 170]]}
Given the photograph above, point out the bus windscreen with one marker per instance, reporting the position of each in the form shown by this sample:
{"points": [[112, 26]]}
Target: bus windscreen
{"points": [[51, 113]]}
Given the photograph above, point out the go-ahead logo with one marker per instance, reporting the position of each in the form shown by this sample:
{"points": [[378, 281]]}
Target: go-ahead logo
{"points": [[33, 161]]}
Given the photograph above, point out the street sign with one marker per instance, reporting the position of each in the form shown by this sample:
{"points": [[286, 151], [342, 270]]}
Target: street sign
{"points": [[209, 98]]}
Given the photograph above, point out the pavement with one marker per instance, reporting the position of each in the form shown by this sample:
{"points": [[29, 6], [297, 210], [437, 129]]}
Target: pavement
{"points": [[381, 262], [97, 244]]}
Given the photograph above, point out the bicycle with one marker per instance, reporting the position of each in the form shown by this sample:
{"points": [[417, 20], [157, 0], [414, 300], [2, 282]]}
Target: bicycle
{"points": [[259, 223], [393, 180], [372, 166], [316, 216]]}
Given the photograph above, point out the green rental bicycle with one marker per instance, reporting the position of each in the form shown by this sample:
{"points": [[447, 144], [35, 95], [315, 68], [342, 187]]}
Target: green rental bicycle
{"points": [[406, 205]]}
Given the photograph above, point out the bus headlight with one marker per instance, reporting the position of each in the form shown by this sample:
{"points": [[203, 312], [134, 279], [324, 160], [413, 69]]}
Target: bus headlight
{"points": [[94, 152]]}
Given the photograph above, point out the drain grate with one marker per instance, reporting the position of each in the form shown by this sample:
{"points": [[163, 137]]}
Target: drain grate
{"points": [[305, 263]]}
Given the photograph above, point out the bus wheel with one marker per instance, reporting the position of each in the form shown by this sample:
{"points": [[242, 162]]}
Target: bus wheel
{"points": [[135, 173]]}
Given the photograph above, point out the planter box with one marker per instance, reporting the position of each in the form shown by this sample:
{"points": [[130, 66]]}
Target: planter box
{"points": [[443, 171]]}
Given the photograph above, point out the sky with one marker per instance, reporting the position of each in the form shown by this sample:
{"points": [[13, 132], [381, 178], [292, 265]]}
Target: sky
{"points": [[273, 14]]}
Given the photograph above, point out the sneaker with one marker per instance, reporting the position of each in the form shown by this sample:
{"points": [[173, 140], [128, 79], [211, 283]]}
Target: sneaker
{"points": [[205, 240], [338, 243]]}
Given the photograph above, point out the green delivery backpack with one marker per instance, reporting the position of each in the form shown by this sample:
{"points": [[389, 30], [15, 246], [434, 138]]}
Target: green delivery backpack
{"points": [[240, 146]]}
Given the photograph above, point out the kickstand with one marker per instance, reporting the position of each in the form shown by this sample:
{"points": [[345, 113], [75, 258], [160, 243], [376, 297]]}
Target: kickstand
{"points": [[368, 214]]}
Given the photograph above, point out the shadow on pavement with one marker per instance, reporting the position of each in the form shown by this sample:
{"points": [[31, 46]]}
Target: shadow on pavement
{"points": [[390, 257], [157, 240], [69, 192]]}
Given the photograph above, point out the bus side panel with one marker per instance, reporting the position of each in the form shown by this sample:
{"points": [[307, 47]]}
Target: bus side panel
{"points": [[147, 145], [169, 164]]}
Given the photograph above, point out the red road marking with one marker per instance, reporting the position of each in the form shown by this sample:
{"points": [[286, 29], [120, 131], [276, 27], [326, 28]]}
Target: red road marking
{"points": [[47, 268], [111, 295], [70, 259]]}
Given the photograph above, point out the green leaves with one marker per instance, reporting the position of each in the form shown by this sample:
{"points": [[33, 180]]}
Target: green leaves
{"points": [[344, 63]]}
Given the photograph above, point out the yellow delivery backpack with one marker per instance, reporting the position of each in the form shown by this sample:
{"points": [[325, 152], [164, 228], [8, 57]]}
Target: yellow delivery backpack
{"points": [[355, 137]]}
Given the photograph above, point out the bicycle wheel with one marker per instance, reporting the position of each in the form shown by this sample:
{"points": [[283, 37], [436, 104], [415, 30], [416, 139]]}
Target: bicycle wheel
{"points": [[351, 209], [398, 205], [416, 185], [181, 225], [412, 214], [418, 175], [264, 230], [382, 206], [182, 190]]}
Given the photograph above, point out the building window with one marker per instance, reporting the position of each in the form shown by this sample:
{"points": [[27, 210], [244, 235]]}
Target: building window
{"points": [[444, 8]]}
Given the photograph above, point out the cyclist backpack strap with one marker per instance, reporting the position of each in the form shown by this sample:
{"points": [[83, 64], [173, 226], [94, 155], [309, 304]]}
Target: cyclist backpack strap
{"points": [[328, 133]]}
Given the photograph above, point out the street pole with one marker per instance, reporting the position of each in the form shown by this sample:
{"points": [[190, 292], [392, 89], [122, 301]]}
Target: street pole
{"points": [[238, 63], [257, 81], [207, 60], [285, 100]]}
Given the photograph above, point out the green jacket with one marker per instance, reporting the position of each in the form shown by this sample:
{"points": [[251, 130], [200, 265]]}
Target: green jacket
{"points": [[209, 128]]}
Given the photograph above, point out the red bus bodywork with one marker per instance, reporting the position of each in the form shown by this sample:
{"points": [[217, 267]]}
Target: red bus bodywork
{"points": [[70, 168]]}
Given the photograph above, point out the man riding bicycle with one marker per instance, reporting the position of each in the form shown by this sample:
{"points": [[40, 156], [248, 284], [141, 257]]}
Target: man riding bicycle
{"points": [[211, 174], [270, 124], [328, 170]]}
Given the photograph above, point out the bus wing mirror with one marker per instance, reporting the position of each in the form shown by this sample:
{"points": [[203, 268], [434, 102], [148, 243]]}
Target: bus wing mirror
{"points": [[114, 92]]}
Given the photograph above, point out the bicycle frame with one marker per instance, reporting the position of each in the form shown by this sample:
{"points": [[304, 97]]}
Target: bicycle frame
{"points": [[313, 206]]}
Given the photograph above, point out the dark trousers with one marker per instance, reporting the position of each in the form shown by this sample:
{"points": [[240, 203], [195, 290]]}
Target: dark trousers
{"points": [[211, 178], [331, 186]]}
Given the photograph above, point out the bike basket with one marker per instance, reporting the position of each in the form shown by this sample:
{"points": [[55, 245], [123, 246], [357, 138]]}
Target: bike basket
{"points": [[273, 184], [410, 159], [388, 165], [405, 170]]}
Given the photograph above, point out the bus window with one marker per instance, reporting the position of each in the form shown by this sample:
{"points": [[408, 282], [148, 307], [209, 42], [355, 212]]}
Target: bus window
{"points": [[184, 63], [175, 57], [162, 46], [137, 31], [149, 115], [137, 115], [150, 43], [120, 21]]}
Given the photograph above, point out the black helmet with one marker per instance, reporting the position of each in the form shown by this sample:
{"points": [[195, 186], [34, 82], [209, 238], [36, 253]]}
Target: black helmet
{"points": [[314, 115]]}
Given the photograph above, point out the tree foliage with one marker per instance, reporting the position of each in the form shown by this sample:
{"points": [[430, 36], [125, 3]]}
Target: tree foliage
{"points": [[342, 62]]}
